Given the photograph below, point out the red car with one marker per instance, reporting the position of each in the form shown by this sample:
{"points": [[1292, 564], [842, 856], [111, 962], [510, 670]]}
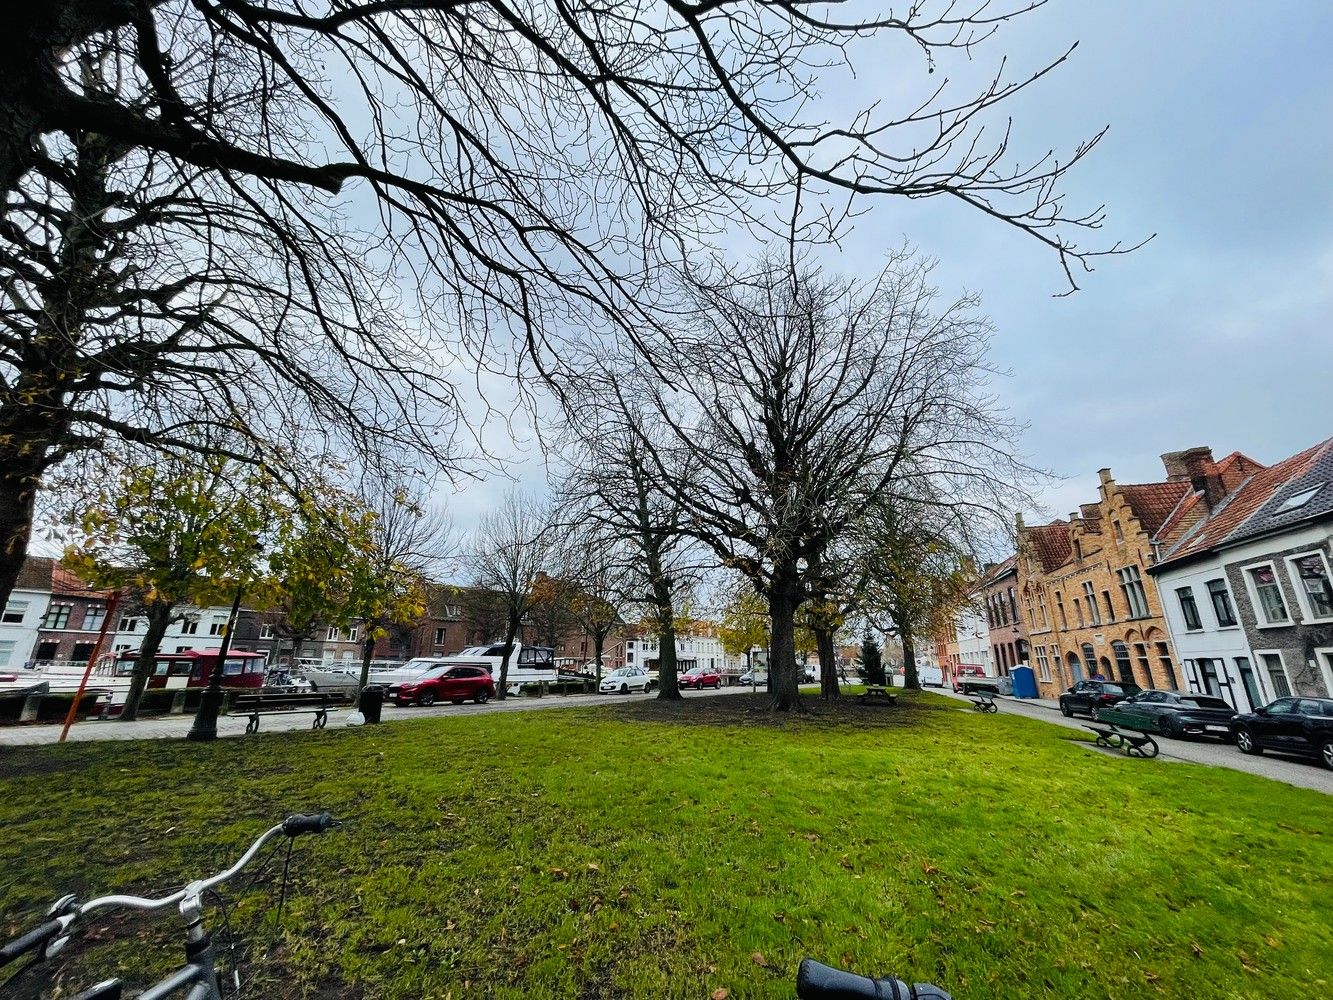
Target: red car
{"points": [[443, 683], [700, 678]]}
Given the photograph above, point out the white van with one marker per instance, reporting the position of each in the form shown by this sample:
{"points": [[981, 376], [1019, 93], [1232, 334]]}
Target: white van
{"points": [[929, 676]]}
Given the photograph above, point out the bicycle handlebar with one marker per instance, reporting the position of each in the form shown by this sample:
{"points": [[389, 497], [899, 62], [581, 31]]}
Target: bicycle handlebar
{"points": [[69, 910], [822, 982]]}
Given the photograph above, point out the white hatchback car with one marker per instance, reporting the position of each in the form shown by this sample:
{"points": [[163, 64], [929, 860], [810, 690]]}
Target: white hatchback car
{"points": [[625, 680]]}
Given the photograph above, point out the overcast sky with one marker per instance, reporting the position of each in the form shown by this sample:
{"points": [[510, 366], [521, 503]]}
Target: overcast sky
{"points": [[1217, 332]]}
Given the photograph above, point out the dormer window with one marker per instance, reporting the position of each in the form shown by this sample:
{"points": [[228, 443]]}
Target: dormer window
{"points": [[1078, 550]]}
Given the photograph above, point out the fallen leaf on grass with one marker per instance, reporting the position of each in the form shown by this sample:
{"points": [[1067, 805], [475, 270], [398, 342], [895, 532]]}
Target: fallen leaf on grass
{"points": [[719, 994], [758, 959], [928, 868], [593, 866]]}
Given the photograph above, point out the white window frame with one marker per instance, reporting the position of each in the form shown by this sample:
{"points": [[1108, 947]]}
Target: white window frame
{"points": [[1198, 615], [1260, 616], [266, 630], [15, 606], [1141, 591], [1307, 610], [216, 627], [1259, 655], [190, 626], [334, 634], [351, 633], [1323, 658]]}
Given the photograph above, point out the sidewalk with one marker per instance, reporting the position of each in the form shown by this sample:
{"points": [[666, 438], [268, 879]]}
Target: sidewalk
{"points": [[176, 726]]}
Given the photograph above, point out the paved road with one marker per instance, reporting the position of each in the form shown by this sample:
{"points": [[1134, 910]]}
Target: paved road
{"points": [[1292, 770], [176, 726]]}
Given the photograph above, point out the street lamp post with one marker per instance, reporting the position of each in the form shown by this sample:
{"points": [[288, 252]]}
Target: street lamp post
{"points": [[205, 726]]}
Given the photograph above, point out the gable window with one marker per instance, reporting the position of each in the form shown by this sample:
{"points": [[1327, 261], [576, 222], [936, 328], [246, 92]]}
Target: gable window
{"points": [[1268, 596], [1309, 571], [1093, 610], [1041, 609], [57, 616], [1277, 673], [1222, 607], [1078, 550], [1189, 609], [1131, 584], [1119, 532]]}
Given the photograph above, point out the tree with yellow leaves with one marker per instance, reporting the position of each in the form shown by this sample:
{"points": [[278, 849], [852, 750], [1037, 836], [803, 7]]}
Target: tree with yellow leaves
{"points": [[174, 534]]}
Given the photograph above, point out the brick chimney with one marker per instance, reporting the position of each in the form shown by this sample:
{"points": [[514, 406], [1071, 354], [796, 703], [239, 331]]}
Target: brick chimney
{"points": [[1196, 466]]}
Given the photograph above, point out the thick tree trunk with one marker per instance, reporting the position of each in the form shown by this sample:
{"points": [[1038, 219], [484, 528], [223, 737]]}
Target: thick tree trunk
{"points": [[783, 683], [598, 641], [159, 617], [910, 679], [828, 664], [367, 653], [511, 633], [668, 678], [18, 492]]}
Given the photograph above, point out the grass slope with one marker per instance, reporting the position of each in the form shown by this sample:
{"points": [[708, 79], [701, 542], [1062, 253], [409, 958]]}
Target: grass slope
{"points": [[633, 851]]}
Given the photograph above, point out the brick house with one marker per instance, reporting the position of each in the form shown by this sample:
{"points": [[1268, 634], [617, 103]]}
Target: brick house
{"points": [[73, 619], [1008, 636], [1249, 586], [1094, 606]]}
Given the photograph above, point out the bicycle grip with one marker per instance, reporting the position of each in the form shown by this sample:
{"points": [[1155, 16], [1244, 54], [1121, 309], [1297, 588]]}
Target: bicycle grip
{"points": [[295, 825], [30, 941]]}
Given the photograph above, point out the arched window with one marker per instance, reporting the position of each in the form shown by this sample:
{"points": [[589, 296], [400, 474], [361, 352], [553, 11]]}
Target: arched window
{"points": [[1089, 659]]}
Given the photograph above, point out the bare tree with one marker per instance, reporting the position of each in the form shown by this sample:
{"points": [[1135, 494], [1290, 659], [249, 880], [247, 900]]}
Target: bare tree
{"points": [[598, 564], [612, 485], [506, 554], [801, 400], [151, 302]]}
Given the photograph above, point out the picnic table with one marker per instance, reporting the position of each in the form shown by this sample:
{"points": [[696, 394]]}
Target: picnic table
{"points": [[878, 694]]}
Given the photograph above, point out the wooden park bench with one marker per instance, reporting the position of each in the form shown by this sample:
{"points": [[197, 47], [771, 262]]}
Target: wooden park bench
{"points": [[984, 701], [258, 705], [1134, 743], [878, 694]]}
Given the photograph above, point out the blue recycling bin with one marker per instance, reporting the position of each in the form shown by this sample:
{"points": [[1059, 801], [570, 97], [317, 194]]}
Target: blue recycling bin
{"points": [[1025, 682]]}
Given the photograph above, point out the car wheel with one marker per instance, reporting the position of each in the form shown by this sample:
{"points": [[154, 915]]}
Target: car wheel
{"points": [[1326, 753], [426, 699], [1066, 711], [624, 689], [1096, 713], [482, 696], [1245, 742], [1167, 728]]}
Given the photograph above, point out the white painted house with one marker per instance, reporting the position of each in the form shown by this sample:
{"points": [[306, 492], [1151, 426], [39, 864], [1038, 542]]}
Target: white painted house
{"points": [[973, 634], [1248, 592], [23, 613]]}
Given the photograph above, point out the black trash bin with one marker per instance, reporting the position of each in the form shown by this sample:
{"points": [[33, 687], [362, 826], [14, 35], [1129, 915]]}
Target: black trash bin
{"points": [[372, 702]]}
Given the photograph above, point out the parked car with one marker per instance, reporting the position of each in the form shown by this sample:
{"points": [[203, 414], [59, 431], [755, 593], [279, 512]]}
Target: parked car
{"points": [[965, 672], [755, 678], [625, 680], [445, 683], [1179, 714], [1289, 725], [928, 676], [1090, 697], [700, 678]]}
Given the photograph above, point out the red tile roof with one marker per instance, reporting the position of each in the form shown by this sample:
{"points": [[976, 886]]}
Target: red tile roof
{"points": [[1246, 500], [1153, 503], [1051, 543]]}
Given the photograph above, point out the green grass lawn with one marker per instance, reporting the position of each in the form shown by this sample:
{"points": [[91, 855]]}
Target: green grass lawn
{"points": [[621, 851]]}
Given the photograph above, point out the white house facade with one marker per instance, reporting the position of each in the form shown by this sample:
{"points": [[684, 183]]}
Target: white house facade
{"points": [[973, 633], [23, 614]]}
